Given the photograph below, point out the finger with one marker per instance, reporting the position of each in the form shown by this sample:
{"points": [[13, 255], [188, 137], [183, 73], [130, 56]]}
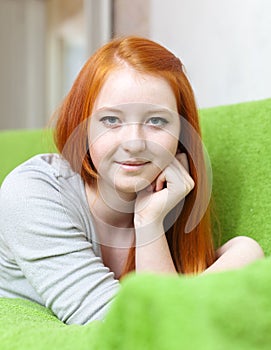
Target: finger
{"points": [[181, 171], [179, 182], [150, 188], [160, 181]]}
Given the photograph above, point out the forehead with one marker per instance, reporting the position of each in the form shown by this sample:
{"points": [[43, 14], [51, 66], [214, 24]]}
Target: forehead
{"points": [[136, 109], [126, 86]]}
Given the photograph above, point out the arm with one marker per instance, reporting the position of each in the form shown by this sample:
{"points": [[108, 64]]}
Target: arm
{"points": [[48, 243], [152, 205], [152, 253], [236, 253]]}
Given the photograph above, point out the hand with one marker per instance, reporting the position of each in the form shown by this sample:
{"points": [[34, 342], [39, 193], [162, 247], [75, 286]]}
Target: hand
{"points": [[171, 186]]}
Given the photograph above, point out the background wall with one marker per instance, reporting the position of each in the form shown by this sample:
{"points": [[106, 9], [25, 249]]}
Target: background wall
{"points": [[22, 63], [131, 17], [43, 44], [225, 46]]}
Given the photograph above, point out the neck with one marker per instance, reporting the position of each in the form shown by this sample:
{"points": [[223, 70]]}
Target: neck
{"points": [[110, 207], [115, 228]]}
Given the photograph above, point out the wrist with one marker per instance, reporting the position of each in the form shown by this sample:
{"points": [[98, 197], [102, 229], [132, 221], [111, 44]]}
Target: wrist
{"points": [[147, 233], [141, 222]]}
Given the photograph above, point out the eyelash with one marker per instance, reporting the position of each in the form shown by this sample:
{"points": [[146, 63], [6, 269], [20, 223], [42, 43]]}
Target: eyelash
{"points": [[162, 122], [106, 121]]}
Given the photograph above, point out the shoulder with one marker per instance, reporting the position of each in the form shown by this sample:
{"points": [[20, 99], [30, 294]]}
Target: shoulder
{"points": [[42, 168], [44, 180], [43, 192], [51, 164]]}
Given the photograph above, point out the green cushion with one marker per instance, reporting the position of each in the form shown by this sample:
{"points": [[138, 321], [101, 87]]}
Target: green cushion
{"points": [[229, 310], [28, 326], [16, 146], [238, 141]]}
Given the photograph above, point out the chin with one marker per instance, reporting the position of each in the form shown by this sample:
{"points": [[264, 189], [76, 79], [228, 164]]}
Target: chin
{"points": [[131, 187]]}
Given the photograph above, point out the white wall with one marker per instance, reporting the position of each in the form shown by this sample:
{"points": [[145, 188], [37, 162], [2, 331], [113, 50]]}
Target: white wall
{"points": [[22, 45], [66, 41], [225, 46], [43, 44], [75, 29]]}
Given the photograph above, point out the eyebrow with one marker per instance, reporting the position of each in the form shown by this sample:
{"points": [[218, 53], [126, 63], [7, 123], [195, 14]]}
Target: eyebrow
{"points": [[109, 109], [148, 112], [161, 110]]}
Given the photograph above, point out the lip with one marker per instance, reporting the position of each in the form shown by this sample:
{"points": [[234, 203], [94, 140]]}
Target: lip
{"points": [[133, 165]]}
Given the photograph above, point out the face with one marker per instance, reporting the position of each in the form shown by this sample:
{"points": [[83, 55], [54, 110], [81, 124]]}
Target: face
{"points": [[133, 131]]}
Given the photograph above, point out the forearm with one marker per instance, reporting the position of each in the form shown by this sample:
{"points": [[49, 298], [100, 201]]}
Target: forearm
{"points": [[152, 251]]}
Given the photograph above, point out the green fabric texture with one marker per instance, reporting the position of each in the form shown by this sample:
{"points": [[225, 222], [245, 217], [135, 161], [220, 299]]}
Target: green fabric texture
{"points": [[229, 310], [238, 141], [16, 146]]}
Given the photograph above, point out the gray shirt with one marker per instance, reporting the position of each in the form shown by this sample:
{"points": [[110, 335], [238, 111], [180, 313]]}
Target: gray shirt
{"points": [[48, 248]]}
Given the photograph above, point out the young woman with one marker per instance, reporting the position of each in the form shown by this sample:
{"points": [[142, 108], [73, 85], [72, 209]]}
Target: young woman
{"points": [[128, 191]]}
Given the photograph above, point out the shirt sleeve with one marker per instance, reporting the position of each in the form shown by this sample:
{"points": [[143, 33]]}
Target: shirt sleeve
{"points": [[52, 250]]}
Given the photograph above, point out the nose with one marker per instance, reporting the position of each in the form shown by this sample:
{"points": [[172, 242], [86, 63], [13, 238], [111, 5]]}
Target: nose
{"points": [[133, 139]]}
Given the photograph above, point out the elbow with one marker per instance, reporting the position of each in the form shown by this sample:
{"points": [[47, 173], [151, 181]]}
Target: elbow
{"points": [[251, 246]]}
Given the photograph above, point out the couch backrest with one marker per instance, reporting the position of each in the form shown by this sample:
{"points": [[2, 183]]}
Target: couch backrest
{"points": [[16, 146], [237, 138]]}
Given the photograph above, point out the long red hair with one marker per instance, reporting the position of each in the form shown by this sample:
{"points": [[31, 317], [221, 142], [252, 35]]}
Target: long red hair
{"points": [[192, 252]]}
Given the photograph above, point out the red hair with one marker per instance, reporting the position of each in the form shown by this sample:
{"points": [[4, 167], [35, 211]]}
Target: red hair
{"points": [[191, 252]]}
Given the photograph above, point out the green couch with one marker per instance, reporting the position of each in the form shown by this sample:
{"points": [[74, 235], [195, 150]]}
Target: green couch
{"points": [[229, 310]]}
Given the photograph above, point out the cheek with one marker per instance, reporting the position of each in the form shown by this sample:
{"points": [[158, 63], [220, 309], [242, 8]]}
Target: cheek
{"points": [[164, 150], [98, 151], [171, 145], [168, 140], [166, 145]]}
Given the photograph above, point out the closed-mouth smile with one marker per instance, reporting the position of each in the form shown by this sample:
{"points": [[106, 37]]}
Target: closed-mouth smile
{"points": [[133, 164]]}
